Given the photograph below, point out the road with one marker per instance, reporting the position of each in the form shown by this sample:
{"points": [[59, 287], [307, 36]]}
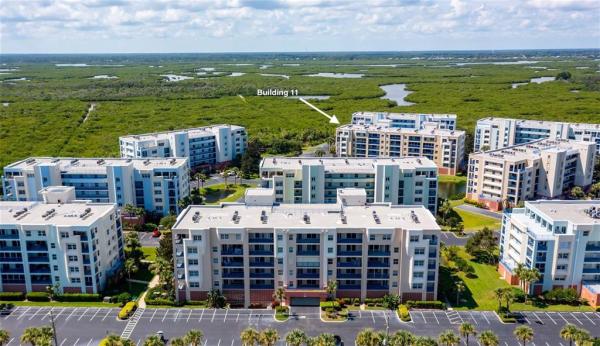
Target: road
{"points": [[484, 212], [86, 326]]}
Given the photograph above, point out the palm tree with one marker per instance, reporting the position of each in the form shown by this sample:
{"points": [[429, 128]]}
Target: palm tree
{"points": [[467, 329], [200, 179], [531, 275], [325, 339], [37, 336], [194, 337], [582, 337], [523, 334], [130, 268], [448, 338], [268, 337], [215, 299], [569, 332], [499, 292], [296, 337], [236, 174], [424, 341], [520, 272], [445, 208], [460, 288], [401, 338], [4, 337], [488, 338], [249, 337], [332, 290], [368, 337], [113, 340], [279, 295], [177, 342], [508, 296], [153, 340]]}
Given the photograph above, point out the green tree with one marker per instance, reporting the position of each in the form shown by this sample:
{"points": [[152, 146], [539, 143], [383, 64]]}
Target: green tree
{"points": [[448, 338], [595, 191], [424, 341], [325, 339], [488, 338], [459, 287], [569, 332], [167, 222], [577, 193], [4, 337], [133, 247], [401, 338], [444, 209], [37, 336], [368, 337], [466, 330], [164, 270], [279, 295], [332, 289], [194, 337], [268, 337], [524, 334], [130, 268], [165, 246], [194, 198], [249, 337], [201, 178], [153, 340], [499, 293], [296, 337], [483, 246], [178, 342], [215, 299], [391, 301], [563, 75], [530, 276], [582, 338]]}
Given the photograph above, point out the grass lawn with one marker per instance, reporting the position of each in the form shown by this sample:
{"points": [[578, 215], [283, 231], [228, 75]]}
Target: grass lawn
{"points": [[474, 222], [282, 315], [342, 314], [479, 293], [63, 304], [218, 193], [451, 179], [144, 273], [149, 253]]}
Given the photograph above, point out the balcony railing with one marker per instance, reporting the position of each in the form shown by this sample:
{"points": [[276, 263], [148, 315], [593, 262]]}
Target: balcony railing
{"points": [[378, 276], [260, 240], [308, 253], [349, 264], [349, 287], [378, 253], [306, 286], [349, 253], [38, 259], [378, 264], [233, 264], [11, 259], [377, 287], [261, 252], [349, 240], [591, 259], [262, 275], [41, 282], [10, 248], [262, 264], [233, 274], [302, 240], [348, 275], [12, 270], [37, 248], [9, 236], [304, 275], [39, 270], [591, 270], [587, 248], [238, 252], [233, 286]]}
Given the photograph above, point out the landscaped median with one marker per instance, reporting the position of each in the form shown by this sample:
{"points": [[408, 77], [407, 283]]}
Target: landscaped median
{"points": [[282, 313], [57, 300], [332, 311], [403, 313]]}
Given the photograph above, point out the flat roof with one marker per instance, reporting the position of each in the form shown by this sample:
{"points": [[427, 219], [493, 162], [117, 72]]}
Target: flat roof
{"points": [[533, 150], [350, 164], [529, 122], [319, 215], [396, 130], [406, 115], [572, 211], [66, 214], [92, 165], [193, 132]]}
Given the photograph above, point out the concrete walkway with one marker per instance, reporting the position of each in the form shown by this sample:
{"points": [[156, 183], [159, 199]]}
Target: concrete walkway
{"points": [[142, 301], [480, 211]]}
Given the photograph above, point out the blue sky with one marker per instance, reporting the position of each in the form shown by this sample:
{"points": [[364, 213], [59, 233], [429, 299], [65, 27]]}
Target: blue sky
{"points": [[121, 26]]}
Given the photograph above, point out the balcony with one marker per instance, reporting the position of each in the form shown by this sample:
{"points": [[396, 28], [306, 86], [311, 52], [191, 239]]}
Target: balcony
{"points": [[10, 248], [307, 275], [41, 281], [233, 274], [349, 253], [233, 263], [307, 240], [348, 287], [378, 253], [260, 240], [11, 259], [261, 275], [269, 264], [378, 264], [308, 264], [308, 286], [374, 286], [591, 247], [37, 247], [261, 252], [233, 286], [348, 275], [591, 270], [308, 253], [12, 270], [349, 240], [38, 259], [592, 259], [9, 236], [378, 275], [232, 251], [350, 264], [40, 270], [262, 286]]}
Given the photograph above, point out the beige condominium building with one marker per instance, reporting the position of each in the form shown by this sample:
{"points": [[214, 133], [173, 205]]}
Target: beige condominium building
{"points": [[445, 147], [540, 169], [249, 249]]}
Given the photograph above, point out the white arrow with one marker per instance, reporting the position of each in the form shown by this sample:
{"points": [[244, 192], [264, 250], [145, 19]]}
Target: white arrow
{"points": [[332, 119]]}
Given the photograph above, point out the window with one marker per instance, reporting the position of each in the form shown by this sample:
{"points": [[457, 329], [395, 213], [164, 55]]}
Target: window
{"points": [[215, 249], [54, 256], [563, 255], [194, 284], [238, 237], [561, 267], [330, 272], [280, 272], [216, 283], [72, 258], [74, 269], [420, 251], [28, 233], [193, 273], [55, 268], [396, 250], [224, 236], [215, 260], [279, 250], [395, 284], [417, 286], [419, 263], [52, 245], [280, 260], [387, 237], [291, 237], [417, 275], [64, 234], [193, 262], [71, 247], [192, 250], [329, 250], [395, 261], [41, 233], [395, 273], [290, 249], [372, 237], [75, 280], [330, 261], [280, 237], [414, 238], [196, 238], [215, 272], [330, 237]]}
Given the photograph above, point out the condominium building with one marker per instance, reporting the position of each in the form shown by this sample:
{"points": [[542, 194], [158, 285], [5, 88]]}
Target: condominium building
{"points": [[560, 238], [204, 146], [75, 244], [541, 169], [248, 250], [413, 121], [407, 181], [496, 133], [153, 184], [446, 148]]}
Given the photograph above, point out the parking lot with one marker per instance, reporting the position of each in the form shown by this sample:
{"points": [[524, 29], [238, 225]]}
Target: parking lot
{"points": [[86, 326]]}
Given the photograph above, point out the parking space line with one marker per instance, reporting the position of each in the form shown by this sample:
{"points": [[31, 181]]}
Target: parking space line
{"points": [[551, 319], [213, 316], [35, 313], [219, 344], [538, 318], [95, 313], [60, 313], [154, 313], [225, 318], [76, 341], [9, 341], [586, 316], [372, 316], [237, 318], [250, 317], [202, 314], [438, 321], [561, 316], [473, 317], [89, 342], [105, 316], [85, 312], [188, 318], [485, 316], [165, 315], [177, 315], [64, 340], [23, 313], [232, 340], [71, 314], [576, 319]]}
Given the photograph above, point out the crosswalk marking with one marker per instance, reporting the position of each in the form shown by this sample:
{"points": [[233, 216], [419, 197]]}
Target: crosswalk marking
{"points": [[133, 320]]}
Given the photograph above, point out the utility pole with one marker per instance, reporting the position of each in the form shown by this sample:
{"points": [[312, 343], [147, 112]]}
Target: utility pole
{"points": [[53, 328]]}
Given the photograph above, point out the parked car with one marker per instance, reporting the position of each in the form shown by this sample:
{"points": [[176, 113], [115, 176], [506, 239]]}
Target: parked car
{"points": [[155, 233]]}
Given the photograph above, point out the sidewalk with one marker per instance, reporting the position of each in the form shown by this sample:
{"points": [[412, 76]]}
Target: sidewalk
{"points": [[142, 301]]}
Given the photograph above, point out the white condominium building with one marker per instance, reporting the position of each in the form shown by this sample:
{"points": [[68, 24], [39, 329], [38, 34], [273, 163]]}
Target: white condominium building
{"points": [[204, 146], [249, 250], [75, 244], [413, 121], [153, 184], [446, 148], [541, 169], [496, 133], [559, 238], [407, 181]]}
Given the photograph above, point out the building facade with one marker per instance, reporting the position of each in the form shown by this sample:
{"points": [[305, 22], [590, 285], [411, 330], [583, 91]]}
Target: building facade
{"points": [[409, 181], [541, 169], [446, 148], [497, 133], [204, 146], [153, 184], [560, 238], [413, 121], [75, 244], [248, 250]]}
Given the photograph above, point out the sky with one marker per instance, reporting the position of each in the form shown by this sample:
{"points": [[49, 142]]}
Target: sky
{"points": [[165, 26]]}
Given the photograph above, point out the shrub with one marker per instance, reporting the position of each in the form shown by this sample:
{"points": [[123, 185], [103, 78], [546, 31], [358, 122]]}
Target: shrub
{"points": [[275, 304], [197, 302], [518, 295], [426, 304], [127, 310], [562, 296], [341, 302], [159, 301], [403, 313], [475, 203], [281, 309], [12, 296], [123, 298], [38, 297], [78, 297], [356, 302]]}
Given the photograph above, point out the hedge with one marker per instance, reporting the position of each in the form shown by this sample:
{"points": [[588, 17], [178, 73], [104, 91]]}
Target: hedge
{"points": [[38, 297], [403, 313], [197, 302], [12, 296], [426, 304], [374, 301], [152, 300], [127, 310], [78, 297]]}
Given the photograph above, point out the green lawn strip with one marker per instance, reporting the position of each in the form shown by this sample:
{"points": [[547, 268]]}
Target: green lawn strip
{"points": [[479, 293], [356, 308], [475, 222], [451, 179], [218, 193], [149, 253], [282, 315], [62, 304], [342, 313]]}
